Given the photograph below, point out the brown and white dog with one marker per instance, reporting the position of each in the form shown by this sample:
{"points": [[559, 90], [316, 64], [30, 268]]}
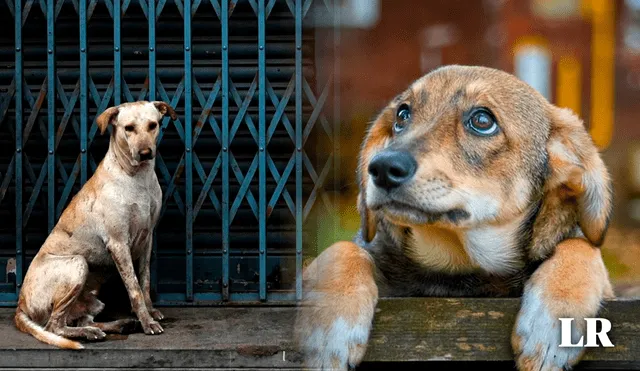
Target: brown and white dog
{"points": [[107, 226], [471, 184]]}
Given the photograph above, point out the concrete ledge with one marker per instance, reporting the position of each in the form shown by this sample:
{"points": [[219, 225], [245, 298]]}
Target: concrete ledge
{"points": [[407, 332], [193, 338]]}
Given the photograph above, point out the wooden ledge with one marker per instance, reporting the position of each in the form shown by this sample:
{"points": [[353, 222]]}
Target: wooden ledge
{"points": [[407, 331], [427, 329]]}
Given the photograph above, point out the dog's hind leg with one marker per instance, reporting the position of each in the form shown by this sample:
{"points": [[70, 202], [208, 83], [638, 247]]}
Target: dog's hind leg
{"points": [[126, 325], [69, 281], [88, 306]]}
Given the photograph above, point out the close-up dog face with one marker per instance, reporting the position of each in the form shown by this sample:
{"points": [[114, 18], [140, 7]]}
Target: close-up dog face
{"points": [[476, 151], [136, 127]]}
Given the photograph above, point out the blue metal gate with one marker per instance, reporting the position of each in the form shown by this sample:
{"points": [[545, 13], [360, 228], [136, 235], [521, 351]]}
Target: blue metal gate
{"points": [[242, 175]]}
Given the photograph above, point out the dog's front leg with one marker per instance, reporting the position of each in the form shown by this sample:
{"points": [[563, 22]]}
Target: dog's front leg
{"points": [[122, 257], [334, 320], [572, 283], [145, 281]]}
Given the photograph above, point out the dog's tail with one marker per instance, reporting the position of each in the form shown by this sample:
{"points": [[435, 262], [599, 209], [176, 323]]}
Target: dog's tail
{"points": [[25, 324]]}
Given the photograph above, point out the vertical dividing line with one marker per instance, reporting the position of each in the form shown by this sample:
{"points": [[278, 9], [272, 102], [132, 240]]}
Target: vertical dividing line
{"points": [[298, 16], [152, 96], [225, 149], [51, 111], [84, 112], [188, 144], [336, 119], [262, 167], [117, 61], [18, 185]]}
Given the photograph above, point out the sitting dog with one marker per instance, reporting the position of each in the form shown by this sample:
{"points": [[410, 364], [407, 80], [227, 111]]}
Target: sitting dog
{"points": [[471, 184], [108, 223]]}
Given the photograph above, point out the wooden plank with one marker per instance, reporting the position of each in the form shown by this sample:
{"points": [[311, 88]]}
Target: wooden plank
{"points": [[407, 332], [479, 329]]}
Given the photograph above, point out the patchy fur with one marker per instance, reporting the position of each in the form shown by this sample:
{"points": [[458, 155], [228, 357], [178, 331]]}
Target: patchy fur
{"points": [[107, 226]]}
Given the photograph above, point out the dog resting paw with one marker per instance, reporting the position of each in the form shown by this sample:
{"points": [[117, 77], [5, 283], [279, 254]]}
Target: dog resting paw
{"points": [[572, 283], [471, 184], [334, 320]]}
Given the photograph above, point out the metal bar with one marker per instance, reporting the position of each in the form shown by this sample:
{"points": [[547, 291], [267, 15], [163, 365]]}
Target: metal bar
{"points": [[225, 149], [188, 139], [152, 50], [117, 61], [152, 97], [84, 88], [279, 49], [170, 72], [213, 299], [298, 89], [18, 155], [51, 112], [262, 166]]}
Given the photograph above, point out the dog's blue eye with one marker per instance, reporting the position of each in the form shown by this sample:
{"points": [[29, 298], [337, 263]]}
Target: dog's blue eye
{"points": [[402, 117], [482, 122]]}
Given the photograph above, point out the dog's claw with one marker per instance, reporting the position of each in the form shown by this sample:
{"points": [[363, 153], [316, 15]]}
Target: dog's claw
{"points": [[93, 333], [152, 328], [156, 314]]}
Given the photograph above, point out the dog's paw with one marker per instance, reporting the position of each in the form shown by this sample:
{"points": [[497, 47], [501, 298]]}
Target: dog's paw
{"points": [[93, 333], [152, 328], [333, 336], [130, 326], [156, 314], [536, 337], [338, 346]]}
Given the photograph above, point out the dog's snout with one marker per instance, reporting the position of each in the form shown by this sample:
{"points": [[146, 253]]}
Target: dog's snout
{"points": [[145, 154], [390, 169]]}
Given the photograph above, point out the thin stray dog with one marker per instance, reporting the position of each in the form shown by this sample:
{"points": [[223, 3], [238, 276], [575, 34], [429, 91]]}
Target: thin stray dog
{"points": [[471, 184], [109, 222]]}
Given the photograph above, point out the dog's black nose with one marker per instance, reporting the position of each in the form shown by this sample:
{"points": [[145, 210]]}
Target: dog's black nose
{"points": [[145, 154], [390, 169]]}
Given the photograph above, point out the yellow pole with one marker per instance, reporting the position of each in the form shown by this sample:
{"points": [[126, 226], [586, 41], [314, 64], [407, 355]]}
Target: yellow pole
{"points": [[569, 84], [602, 71]]}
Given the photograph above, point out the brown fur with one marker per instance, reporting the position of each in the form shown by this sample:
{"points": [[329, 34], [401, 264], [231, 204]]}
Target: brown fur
{"points": [[478, 217], [106, 226], [340, 277]]}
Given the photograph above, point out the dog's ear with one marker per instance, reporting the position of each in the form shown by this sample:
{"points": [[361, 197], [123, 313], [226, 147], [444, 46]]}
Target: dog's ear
{"points": [[377, 133], [164, 108], [578, 175], [107, 117], [367, 218]]}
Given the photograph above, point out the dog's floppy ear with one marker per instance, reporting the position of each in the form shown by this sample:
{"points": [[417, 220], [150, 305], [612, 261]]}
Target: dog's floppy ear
{"points": [[367, 219], [164, 108], [107, 117], [375, 138], [578, 174]]}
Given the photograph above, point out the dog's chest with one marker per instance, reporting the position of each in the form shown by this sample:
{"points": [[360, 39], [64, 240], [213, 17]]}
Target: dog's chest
{"points": [[141, 216], [143, 210], [493, 250]]}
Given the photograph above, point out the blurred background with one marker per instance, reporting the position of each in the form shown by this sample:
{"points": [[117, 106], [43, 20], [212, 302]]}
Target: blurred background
{"points": [[581, 54]]}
